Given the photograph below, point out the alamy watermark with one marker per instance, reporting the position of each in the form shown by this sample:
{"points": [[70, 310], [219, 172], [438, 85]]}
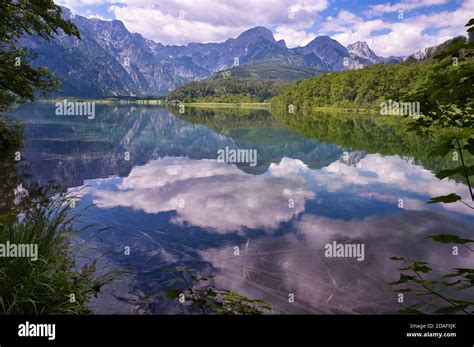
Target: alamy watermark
{"points": [[230, 155], [345, 250], [75, 108], [19, 250], [400, 108], [28, 329]]}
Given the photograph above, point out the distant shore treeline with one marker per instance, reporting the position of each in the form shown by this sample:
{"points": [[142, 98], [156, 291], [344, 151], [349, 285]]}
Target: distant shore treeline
{"points": [[364, 89], [231, 89]]}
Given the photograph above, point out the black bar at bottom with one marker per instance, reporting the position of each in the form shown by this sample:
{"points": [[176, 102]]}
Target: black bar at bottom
{"points": [[284, 329]]}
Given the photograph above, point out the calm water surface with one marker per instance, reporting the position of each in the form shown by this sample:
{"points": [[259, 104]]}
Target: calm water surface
{"points": [[153, 178]]}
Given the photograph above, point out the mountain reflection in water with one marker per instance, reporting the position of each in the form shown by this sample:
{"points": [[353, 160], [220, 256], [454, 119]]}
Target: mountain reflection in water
{"points": [[174, 203]]}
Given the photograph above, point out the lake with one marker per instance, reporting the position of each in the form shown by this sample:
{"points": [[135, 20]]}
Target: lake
{"points": [[263, 228]]}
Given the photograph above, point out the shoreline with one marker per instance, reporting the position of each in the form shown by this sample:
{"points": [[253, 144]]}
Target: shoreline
{"points": [[265, 105], [243, 105], [159, 102]]}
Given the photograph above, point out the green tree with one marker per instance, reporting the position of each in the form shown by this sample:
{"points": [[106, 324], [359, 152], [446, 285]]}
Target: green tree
{"points": [[19, 80], [447, 103], [446, 99]]}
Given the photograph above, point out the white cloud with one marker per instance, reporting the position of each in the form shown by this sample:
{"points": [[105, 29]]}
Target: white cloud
{"points": [[215, 195], [184, 21], [224, 198], [91, 15], [403, 6], [293, 37], [77, 4], [395, 172], [405, 36]]}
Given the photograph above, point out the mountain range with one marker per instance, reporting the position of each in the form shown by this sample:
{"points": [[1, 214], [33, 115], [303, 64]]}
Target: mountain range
{"points": [[111, 61]]}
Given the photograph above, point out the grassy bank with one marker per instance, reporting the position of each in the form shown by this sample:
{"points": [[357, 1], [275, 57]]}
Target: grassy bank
{"points": [[337, 109], [105, 101], [43, 278], [160, 102]]}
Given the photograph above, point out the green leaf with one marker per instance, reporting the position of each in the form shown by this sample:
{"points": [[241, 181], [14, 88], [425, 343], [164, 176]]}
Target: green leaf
{"points": [[419, 305], [470, 170], [402, 290], [414, 309], [403, 279], [447, 199], [397, 258], [450, 172], [420, 267], [463, 302], [448, 238], [172, 293], [470, 146], [451, 309], [450, 283], [443, 148]]}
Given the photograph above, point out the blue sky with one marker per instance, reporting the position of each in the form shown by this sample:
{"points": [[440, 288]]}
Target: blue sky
{"points": [[389, 27]]}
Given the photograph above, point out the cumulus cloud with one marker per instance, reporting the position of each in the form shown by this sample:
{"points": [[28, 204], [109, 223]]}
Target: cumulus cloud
{"points": [[295, 21], [401, 37], [293, 37], [208, 194], [395, 172], [185, 21], [223, 198]]}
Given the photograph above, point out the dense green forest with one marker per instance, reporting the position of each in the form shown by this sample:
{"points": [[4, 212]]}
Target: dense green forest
{"points": [[365, 88], [270, 70], [256, 82], [229, 89]]}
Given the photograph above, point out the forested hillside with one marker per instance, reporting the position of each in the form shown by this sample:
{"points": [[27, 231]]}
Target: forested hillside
{"points": [[254, 82], [365, 88], [270, 70], [229, 89]]}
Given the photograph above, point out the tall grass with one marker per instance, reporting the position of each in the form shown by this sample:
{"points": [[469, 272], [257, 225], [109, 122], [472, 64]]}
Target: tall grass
{"points": [[51, 284]]}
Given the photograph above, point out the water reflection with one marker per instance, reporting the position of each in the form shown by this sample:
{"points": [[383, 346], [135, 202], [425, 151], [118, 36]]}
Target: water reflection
{"points": [[173, 202], [207, 194], [273, 268], [223, 197]]}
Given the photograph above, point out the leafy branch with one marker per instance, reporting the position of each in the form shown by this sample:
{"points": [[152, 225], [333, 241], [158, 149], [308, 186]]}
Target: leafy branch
{"points": [[420, 286], [207, 299]]}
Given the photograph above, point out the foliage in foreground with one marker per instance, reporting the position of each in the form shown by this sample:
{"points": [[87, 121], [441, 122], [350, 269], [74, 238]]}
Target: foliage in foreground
{"points": [[51, 284], [442, 295], [20, 81], [447, 102], [205, 299], [11, 134]]}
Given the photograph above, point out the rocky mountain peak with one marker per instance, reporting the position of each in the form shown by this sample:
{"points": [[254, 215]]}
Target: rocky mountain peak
{"points": [[256, 33], [130, 63], [362, 50]]}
